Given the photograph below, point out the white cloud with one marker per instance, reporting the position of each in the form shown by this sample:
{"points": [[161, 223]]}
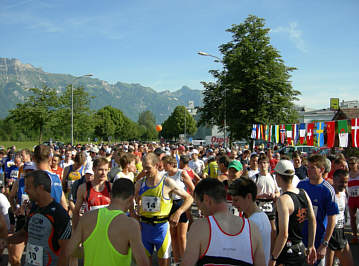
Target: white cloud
{"points": [[295, 35]]}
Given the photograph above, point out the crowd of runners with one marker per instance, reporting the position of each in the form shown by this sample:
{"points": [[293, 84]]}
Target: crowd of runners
{"points": [[187, 205]]}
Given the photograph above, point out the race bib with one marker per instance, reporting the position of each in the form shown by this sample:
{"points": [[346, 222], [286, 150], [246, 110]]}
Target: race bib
{"points": [[266, 206], [70, 183], [353, 191], [232, 209], [97, 207], [151, 204], [14, 174], [34, 254]]}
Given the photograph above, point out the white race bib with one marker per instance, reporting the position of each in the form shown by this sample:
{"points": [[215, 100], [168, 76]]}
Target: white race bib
{"points": [[97, 207], [34, 254], [70, 183], [14, 174], [151, 204], [353, 191]]}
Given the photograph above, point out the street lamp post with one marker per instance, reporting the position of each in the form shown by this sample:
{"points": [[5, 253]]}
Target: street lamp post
{"points": [[219, 60], [72, 106]]}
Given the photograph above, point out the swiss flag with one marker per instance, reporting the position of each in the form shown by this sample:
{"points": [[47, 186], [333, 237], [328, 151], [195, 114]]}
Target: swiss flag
{"points": [[355, 132], [310, 132], [330, 133]]}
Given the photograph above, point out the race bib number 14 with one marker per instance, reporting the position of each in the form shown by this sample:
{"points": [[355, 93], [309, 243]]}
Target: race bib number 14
{"points": [[151, 204]]}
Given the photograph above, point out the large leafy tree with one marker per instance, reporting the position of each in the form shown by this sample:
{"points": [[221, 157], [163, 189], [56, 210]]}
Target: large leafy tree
{"points": [[37, 110], [148, 121], [253, 86], [178, 122]]}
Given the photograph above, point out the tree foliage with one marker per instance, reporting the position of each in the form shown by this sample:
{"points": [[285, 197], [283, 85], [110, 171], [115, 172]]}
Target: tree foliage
{"points": [[253, 86], [148, 121], [37, 110], [177, 122]]}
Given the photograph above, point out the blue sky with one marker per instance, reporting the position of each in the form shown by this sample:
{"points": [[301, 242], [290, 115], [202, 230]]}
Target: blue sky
{"points": [[155, 42]]}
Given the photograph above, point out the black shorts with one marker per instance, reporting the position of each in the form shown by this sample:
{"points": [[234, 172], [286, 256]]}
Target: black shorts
{"points": [[338, 240], [175, 207], [292, 255]]}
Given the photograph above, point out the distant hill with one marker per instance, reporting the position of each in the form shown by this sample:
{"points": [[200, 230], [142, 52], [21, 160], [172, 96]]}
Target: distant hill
{"points": [[132, 99]]}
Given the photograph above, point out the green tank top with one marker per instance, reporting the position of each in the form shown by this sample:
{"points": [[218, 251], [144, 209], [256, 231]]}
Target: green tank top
{"points": [[97, 247]]}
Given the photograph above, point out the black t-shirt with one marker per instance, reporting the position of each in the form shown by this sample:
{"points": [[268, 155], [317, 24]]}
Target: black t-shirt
{"points": [[45, 227], [301, 172]]}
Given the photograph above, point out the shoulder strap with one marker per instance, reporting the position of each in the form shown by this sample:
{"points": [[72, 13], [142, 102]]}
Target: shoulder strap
{"points": [[108, 186], [257, 176]]}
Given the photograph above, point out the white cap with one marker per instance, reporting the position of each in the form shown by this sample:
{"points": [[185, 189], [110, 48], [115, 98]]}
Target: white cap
{"points": [[89, 171], [285, 167], [94, 149], [195, 151]]}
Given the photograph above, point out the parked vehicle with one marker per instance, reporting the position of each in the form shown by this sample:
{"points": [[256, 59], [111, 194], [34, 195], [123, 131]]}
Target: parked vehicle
{"points": [[304, 150]]}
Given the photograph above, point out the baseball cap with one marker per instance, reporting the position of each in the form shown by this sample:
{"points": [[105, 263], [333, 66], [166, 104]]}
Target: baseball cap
{"points": [[236, 165], [210, 150], [181, 148], [94, 149], [159, 151], [285, 167], [195, 151], [29, 166], [89, 171]]}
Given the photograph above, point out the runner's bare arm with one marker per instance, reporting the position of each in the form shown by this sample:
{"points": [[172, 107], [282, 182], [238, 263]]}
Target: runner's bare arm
{"points": [[63, 260], [283, 220], [258, 253], [188, 200], [63, 201], [312, 227], [18, 237], [72, 248], [12, 195], [137, 198], [193, 248], [188, 181], [64, 181], [138, 250], [81, 195]]}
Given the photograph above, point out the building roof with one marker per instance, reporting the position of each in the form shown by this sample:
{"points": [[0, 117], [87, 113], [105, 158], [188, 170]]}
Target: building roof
{"points": [[346, 113]]}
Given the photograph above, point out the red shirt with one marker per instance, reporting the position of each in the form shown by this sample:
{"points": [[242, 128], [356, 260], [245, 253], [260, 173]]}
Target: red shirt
{"points": [[58, 171]]}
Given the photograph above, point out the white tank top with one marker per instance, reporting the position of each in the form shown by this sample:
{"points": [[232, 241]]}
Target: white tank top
{"points": [[178, 178], [341, 206], [227, 249]]}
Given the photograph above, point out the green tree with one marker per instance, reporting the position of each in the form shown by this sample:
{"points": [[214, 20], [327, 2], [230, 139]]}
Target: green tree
{"points": [[253, 86], [83, 115], [179, 121], [37, 110], [148, 120], [109, 122]]}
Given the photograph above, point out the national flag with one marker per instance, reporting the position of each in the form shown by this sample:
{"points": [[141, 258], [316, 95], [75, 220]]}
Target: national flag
{"points": [[320, 133], [343, 133], [295, 134], [262, 132], [330, 133], [282, 133], [270, 133], [301, 133], [289, 131], [276, 130], [266, 133], [310, 139], [254, 131], [355, 132]]}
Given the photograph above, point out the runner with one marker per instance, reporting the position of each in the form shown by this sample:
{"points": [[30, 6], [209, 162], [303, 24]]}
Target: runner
{"points": [[338, 244], [322, 195], [67, 160], [293, 208], [235, 170], [153, 197], [178, 231], [108, 236], [48, 229], [128, 165], [244, 193], [42, 159], [353, 192], [267, 193], [13, 173], [221, 238], [196, 164], [252, 170], [55, 168], [96, 193], [300, 170], [19, 201], [223, 163]]}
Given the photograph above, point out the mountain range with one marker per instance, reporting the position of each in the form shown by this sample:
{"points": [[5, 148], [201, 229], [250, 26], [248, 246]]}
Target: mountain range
{"points": [[131, 99]]}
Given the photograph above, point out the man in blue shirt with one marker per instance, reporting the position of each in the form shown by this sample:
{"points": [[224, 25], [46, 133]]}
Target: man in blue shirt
{"points": [[325, 207]]}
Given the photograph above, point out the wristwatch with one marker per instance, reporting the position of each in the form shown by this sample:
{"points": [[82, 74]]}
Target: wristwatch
{"points": [[273, 258], [325, 244]]}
